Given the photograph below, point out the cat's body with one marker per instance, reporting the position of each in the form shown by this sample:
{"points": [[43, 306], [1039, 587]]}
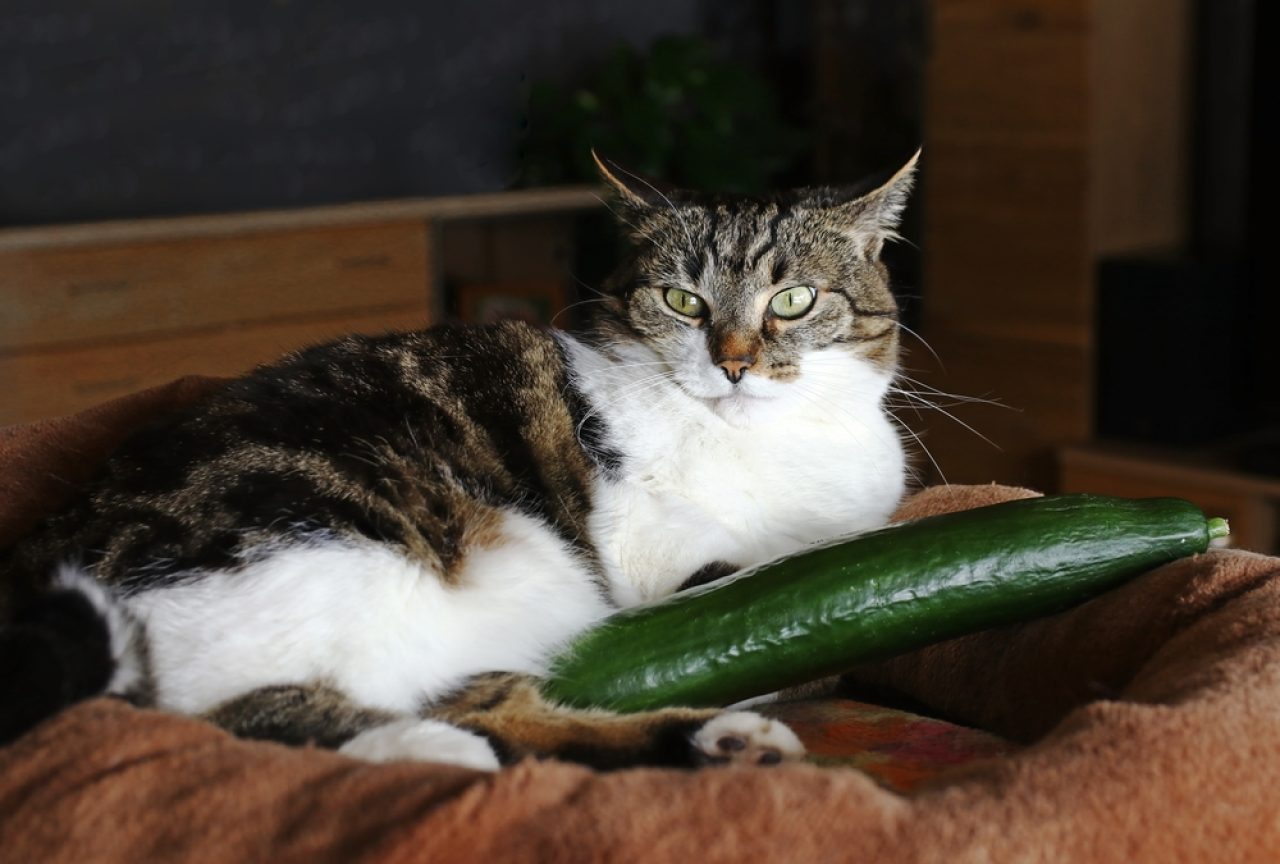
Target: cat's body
{"points": [[344, 546]]}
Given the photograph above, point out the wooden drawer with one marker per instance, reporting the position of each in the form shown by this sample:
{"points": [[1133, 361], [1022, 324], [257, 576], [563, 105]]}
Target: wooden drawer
{"points": [[50, 383], [60, 296]]}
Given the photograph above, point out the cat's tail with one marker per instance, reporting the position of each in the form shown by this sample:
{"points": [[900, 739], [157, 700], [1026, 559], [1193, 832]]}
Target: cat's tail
{"points": [[75, 641]]}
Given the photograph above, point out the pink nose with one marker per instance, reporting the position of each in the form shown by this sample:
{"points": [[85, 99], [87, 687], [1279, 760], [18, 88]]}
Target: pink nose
{"points": [[735, 367]]}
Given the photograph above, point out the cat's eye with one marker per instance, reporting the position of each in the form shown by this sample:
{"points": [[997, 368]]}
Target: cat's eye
{"points": [[793, 302], [685, 302]]}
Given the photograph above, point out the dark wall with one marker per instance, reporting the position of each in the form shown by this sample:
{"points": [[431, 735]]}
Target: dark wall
{"points": [[153, 107], [120, 108]]}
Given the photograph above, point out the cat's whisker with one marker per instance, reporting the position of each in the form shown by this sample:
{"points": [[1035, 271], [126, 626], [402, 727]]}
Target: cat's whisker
{"points": [[620, 397], [956, 419], [943, 411], [921, 340], [630, 364], [594, 290], [959, 397], [831, 407], [370, 462], [919, 400], [916, 403], [575, 305], [911, 399], [587, 286], [618, 216], [626, 391], [923, 449], [961, 423], [615, 370], [642, 386], [813, 397], [898, 238]]}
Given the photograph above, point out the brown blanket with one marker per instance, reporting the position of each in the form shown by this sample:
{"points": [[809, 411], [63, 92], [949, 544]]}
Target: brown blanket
{"points": [[1154, 712]]}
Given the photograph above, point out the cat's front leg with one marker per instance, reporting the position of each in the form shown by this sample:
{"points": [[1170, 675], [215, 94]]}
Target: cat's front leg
{"points": [[509, 710]]}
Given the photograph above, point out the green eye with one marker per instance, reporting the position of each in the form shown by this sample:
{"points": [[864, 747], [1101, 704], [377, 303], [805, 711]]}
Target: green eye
{"points": [[685, 302], [793, 302]]}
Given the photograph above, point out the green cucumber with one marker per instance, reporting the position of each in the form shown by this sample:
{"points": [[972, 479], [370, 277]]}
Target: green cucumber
{"points": [[872, 596]]}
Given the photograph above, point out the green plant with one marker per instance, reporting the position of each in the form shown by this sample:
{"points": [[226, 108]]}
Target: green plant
{"points": [[677, 112]]}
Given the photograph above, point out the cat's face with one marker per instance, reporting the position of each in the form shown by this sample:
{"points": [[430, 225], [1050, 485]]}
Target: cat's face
{"points": [[739, 297]]}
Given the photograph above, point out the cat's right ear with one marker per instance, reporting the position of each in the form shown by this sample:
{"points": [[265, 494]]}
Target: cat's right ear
{"points": [[630, 190]]}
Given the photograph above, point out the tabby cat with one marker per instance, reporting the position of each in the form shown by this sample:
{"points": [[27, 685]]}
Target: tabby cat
{"points": [[374, 545]]}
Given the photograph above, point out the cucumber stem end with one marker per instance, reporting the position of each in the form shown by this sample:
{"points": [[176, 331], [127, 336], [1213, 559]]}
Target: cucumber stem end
{"points": [[1218, 528]]}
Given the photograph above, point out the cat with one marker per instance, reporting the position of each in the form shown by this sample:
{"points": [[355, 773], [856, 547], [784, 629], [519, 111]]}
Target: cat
{"points": [[374, 545]]}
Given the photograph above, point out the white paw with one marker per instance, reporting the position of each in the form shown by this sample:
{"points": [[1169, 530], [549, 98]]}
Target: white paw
{"points": [[747, 738], [422, 741]]}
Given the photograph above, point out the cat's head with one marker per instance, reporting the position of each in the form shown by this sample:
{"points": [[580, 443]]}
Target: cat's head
{"points": [[738, 295]]}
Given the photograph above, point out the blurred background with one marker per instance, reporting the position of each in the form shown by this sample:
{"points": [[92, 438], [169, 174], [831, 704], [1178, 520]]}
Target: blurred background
{"points": [[195, 187]]}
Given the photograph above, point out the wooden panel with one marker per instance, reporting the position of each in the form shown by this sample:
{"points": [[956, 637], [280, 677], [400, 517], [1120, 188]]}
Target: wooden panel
{"points": [[49, 383], [1014, 14], [1141, 84], [496, 205], [1008, 276], [57, 296], [1013, 77], [1005, 238]]}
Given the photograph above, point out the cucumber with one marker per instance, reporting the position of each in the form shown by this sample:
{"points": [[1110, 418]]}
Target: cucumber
{"points": [[872, 596]]}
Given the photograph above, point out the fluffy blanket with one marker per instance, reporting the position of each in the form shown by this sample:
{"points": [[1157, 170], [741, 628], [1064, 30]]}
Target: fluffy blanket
{"points": [[1151, 717]]}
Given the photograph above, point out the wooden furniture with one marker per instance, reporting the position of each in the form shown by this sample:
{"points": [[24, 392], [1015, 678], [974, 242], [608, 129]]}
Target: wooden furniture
{"points": [[1055, 134], [1249, 502], [90, 312]]}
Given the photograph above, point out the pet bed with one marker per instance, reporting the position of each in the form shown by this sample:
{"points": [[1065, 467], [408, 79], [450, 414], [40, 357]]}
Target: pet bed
{"points": [[1141, 726]]}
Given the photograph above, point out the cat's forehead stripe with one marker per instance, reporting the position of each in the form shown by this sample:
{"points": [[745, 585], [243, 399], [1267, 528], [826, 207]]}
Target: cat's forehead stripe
{"points": [[693, 263], [713, 226], [771, 238], [735, 238]]}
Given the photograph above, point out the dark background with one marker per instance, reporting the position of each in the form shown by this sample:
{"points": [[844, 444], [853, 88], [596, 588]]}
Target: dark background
{"points": [[159, 107]]}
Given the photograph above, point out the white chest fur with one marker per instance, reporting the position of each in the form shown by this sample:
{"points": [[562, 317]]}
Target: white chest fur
{"points": [[739, 481]]}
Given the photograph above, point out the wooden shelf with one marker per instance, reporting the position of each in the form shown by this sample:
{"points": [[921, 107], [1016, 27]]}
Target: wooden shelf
{"points": [[494, 205], [1053, 137], [93, 311]]}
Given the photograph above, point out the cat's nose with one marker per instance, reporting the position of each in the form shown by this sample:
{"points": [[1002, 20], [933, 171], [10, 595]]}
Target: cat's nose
{"points": [[735, 367]]}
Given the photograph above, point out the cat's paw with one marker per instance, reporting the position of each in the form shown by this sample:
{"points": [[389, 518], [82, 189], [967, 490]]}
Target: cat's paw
{"points": [[422, 741], [746, 738]]}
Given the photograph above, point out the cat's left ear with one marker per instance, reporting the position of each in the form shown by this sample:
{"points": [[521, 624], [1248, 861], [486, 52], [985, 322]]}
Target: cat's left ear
{"points": [[874, 217]]}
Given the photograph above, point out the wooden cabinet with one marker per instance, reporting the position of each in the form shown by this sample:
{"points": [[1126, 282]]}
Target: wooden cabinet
{"points": [[1055, 134], [67, 296], [91, 312], [1249, 502]]}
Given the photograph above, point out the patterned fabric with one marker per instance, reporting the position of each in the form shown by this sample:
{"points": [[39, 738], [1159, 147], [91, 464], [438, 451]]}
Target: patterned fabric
{"points": [[897, 749]]}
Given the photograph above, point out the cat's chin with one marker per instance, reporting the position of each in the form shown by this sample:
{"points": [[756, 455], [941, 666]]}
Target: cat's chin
{"points": [[739, 406], [736, 404]]}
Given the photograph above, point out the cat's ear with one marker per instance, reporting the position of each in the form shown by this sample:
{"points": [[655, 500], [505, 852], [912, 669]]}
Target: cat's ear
{"points": [[630, 190], [873, 218]]}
